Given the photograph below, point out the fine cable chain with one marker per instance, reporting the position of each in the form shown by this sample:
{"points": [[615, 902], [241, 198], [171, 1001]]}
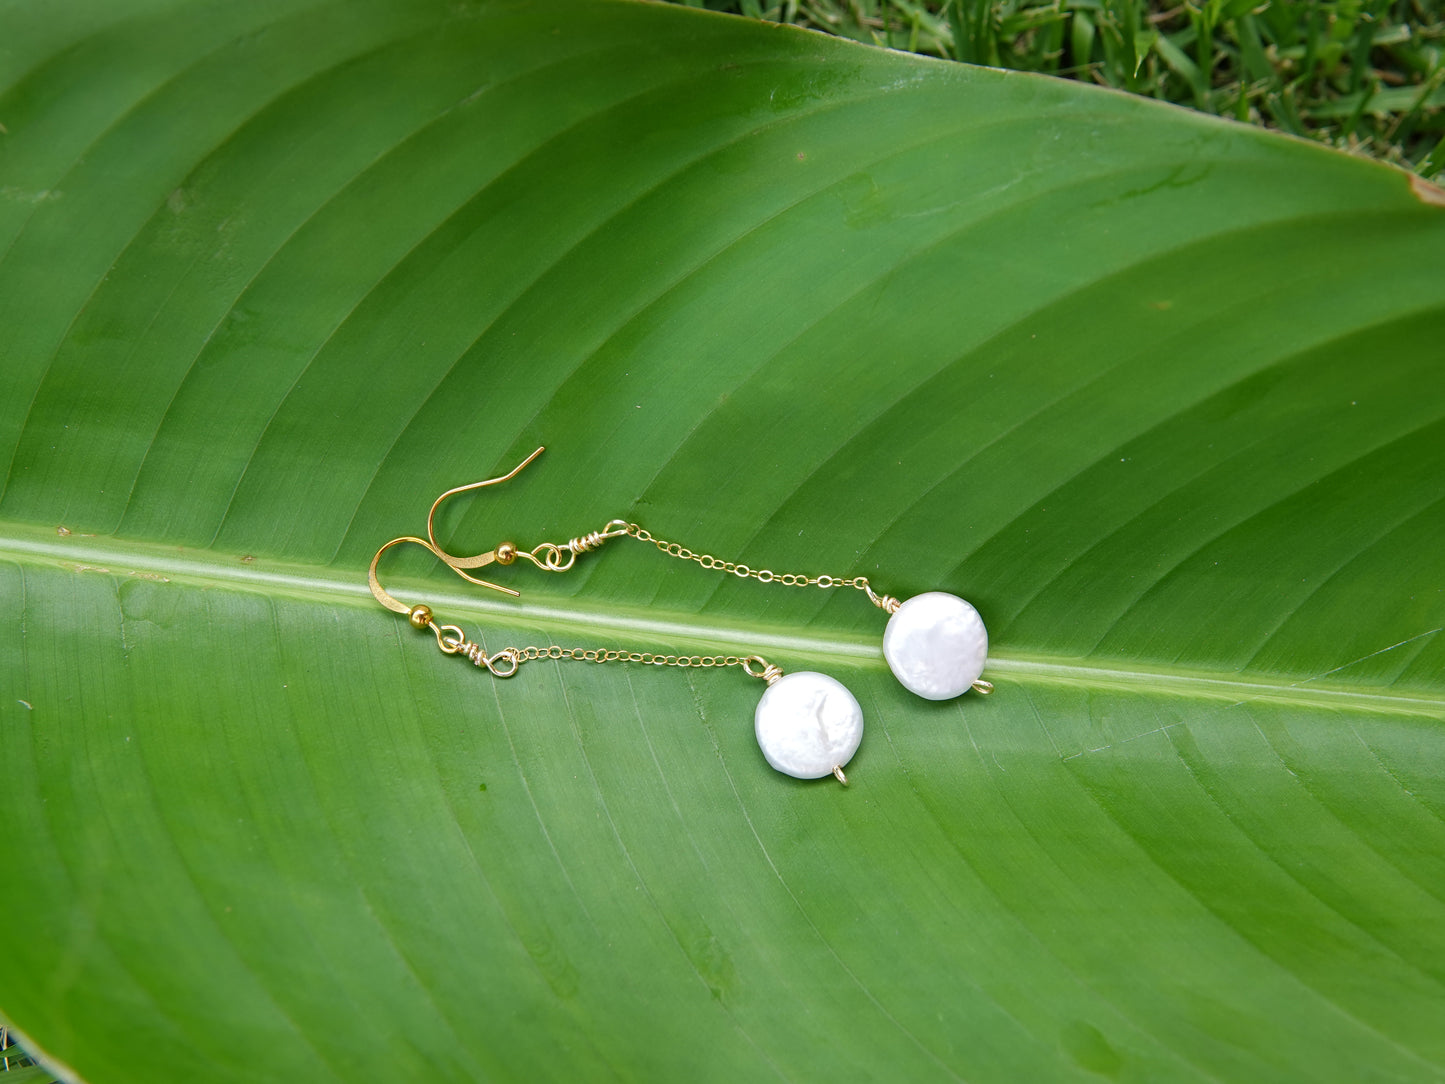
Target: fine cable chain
{"points": [[559, 558], [507, 661]]}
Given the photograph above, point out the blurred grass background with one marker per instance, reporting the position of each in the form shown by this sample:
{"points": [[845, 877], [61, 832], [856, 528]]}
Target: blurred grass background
{"points": [[17, 1067], [1366, 76]]}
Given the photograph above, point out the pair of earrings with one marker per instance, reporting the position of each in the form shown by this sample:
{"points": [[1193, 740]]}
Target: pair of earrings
{"points": [[807, 724]]}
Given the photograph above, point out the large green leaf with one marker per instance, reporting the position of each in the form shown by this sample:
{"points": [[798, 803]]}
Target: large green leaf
{"points": [[1161, 395]]}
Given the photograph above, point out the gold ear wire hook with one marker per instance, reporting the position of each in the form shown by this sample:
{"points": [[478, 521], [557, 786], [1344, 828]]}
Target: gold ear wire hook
{"points": [[504, 554], [420, 615], [400, 607], [450, 638], [548, 556]]}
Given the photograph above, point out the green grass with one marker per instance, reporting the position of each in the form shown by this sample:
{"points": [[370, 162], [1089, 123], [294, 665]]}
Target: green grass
{"points": [[17, 1067], [1366, 76]]}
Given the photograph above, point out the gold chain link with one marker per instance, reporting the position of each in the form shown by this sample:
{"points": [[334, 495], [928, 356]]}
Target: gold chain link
{"points": [[762, 575], [506, 661], [752, 665], [560, 557], [600, 655]]}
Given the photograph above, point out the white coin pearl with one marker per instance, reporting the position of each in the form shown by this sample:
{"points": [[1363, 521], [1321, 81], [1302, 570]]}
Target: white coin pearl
{"points": [[936, 645], [808, 724]]}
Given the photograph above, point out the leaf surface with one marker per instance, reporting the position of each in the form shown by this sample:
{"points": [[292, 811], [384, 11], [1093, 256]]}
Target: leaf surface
{"points": [[1159, 394]]}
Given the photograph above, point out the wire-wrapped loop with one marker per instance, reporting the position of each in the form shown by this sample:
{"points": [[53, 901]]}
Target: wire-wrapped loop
{"points": [[587, 543], [504, 663], [453, 641], [759, 667], [887, 603]]}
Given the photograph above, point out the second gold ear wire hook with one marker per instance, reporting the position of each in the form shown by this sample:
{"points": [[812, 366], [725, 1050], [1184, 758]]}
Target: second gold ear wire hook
{"points": [[549, 556], [503, 554], [450, 638]]}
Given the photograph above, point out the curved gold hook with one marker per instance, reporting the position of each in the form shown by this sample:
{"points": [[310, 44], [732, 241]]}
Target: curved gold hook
{"points": [[457, 564], [450, 638], [394, 604]]}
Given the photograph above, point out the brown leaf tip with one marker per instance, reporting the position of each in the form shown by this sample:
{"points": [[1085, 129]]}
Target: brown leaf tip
{"points": [[1426, 192]]}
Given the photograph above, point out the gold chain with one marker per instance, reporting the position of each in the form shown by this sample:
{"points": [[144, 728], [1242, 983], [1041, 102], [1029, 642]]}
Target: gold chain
{"points": [[560, 557], [504, 663], [599, 655], [762, 575]]}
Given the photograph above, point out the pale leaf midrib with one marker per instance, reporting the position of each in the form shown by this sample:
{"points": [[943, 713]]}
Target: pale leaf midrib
{"points": [[82, 553]]}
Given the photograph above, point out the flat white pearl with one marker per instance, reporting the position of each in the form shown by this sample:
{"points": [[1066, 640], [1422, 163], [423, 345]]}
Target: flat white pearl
{"points": [[936, 645], [808, 724]]}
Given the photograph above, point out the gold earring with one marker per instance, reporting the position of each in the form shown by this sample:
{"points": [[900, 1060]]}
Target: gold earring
{"points": [[807, 724], [935, 643]]}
